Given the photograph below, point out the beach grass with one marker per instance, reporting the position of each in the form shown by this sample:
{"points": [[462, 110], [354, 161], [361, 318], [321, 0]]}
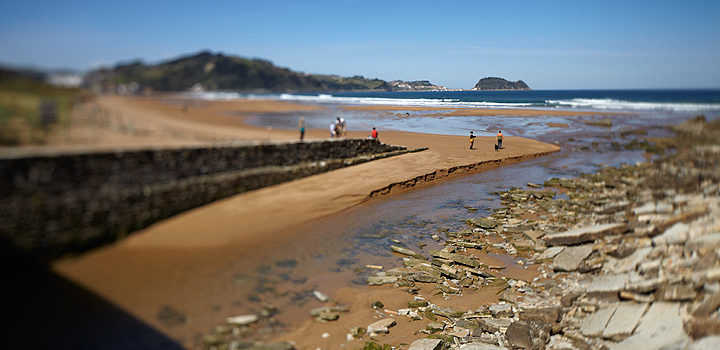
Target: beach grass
{"points": [[21, 101]]}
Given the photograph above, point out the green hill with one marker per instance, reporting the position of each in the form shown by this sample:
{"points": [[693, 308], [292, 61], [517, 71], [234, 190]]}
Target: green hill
{"points": [[219, 72]]}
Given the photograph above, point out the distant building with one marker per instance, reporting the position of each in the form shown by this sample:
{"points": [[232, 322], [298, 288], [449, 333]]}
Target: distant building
{"points": [[64, 80]]}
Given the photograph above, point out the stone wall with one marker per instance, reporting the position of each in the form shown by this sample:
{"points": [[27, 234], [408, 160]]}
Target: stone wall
{"points": [[58, 204]]}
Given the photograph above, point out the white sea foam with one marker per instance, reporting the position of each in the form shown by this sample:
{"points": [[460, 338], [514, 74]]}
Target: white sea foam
{"points": [[410, 102], [330, 99], [576, 103], [630, 105]]}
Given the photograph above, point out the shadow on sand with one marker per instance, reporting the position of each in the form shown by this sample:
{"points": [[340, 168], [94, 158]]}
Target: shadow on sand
{"points": [[46, 311]]}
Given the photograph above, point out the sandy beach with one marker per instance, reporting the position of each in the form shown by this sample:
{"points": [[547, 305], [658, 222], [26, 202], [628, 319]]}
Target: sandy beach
{"points": [[185, 261]]}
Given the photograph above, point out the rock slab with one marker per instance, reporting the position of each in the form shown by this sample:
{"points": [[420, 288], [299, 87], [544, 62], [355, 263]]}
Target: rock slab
{"points": [[584, 234], [242, 320], [480, 346], [381, 326], [571, 258], [594, 325], [426, 344], [528, 334], [661, 327], [624, 320]]}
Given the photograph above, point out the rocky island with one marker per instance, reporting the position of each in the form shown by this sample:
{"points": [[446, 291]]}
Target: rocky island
{"points": [[494, 83]]}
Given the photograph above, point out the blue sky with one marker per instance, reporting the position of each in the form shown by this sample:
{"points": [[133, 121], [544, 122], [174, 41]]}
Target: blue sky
{"points": [[548, 44]]}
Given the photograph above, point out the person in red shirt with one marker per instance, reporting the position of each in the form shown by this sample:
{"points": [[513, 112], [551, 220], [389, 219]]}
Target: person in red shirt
{"points": [[374, 133], [499, 139]]}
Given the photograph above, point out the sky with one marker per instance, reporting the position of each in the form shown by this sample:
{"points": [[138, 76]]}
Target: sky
{"points": [[548, 44]]}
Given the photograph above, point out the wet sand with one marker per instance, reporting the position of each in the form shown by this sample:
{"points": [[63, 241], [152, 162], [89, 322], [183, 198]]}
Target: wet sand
{"points": [[191, 261]]}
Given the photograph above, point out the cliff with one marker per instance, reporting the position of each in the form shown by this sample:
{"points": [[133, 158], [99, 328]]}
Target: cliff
{"points": [[493, 83]]}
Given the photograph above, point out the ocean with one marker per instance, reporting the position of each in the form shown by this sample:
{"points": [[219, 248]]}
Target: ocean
{"points": [[672, 101], [642, 108]]}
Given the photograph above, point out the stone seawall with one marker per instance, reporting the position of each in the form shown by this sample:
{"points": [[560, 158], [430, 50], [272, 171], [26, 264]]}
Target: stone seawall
{"points": [[67, 203]]}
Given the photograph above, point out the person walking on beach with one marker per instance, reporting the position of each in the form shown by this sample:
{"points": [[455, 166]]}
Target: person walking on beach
{"points": [[374, 134], [333, 129], [341, 127], [338, 133], [301, 126], [499, 139], [472, 140]]}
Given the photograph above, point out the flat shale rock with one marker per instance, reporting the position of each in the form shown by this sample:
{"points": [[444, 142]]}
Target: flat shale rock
{"points": [[610, 284], [708, 306], [492, 325], [676, 292], [712, 342], [460, 259], [379, 280], [272, 346], [447, 312], [426, 344], [435, 327], [624, 320], [480, 346], [571, 258], [550, 314], [400, 271], [424, 277], [551, 252], [528, 334], [704, 244], [629, 263], [661, 327], [594, 325], [652, 207], [381, 326], [584, 234], [408, 252], [676, 234], [501, 310], [487, 224], [242, 320]]}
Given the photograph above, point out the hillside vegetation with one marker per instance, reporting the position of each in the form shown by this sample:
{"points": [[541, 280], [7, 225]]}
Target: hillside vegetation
{"points": [[30, 108], [219, 72]]}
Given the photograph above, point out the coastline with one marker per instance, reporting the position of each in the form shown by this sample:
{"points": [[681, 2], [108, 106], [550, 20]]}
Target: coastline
{"points": [[185, 254], [201, 262]]}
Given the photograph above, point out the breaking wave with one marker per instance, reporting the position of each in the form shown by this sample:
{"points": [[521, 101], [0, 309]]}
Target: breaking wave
{"points": [[611, 104], [471, 101], [379, 101]]}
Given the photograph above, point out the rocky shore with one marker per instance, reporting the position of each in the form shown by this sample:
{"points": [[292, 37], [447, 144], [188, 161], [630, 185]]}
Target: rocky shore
{"points": [[626, 258]]}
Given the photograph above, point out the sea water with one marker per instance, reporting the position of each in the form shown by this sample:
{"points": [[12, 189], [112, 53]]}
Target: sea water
{"points": [[635, 108]]}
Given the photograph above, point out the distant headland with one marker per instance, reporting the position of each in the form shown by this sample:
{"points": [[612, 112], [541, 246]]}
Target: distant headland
{"points": [[494, 83]]}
